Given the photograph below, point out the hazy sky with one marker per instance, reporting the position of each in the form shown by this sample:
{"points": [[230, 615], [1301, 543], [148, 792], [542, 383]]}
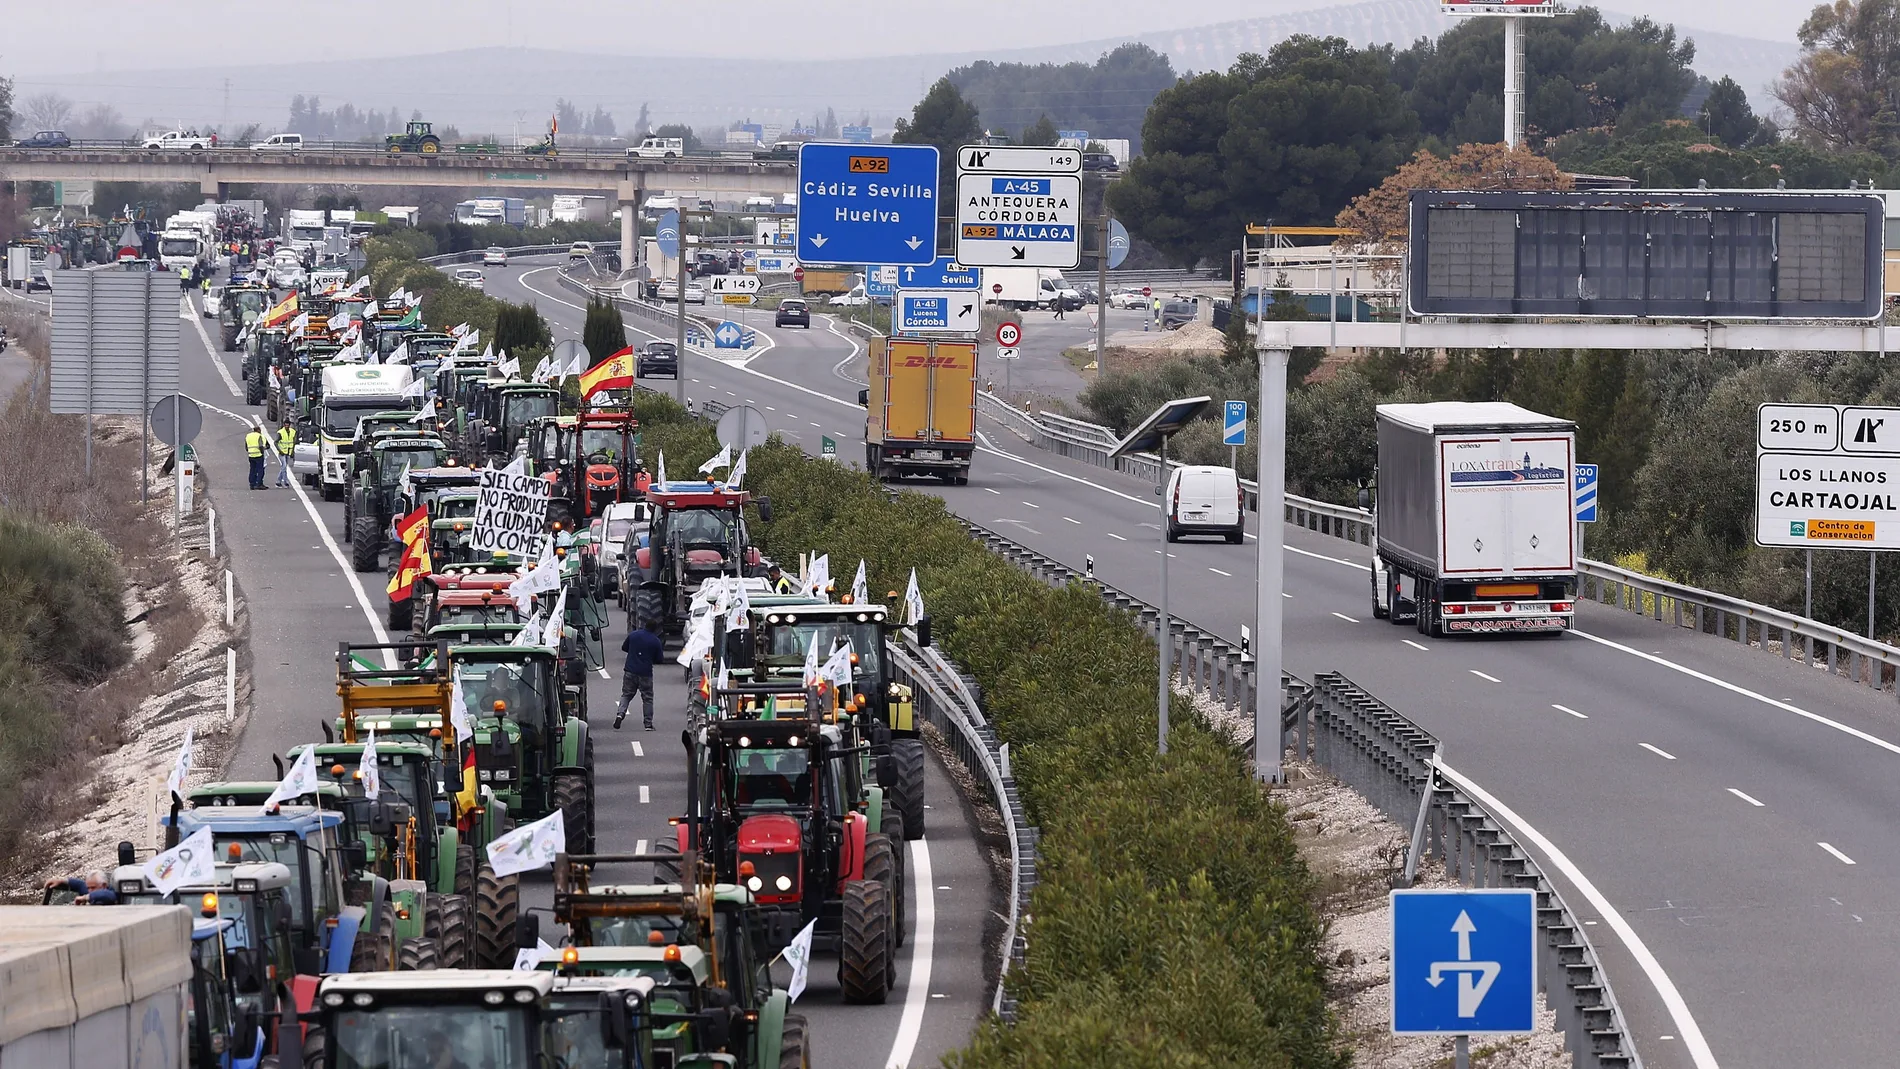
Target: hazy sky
{"points": [[38, 39]]}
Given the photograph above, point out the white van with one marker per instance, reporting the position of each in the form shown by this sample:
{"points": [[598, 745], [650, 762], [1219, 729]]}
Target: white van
{"points": [[658, 148], [280, 143], [1204, 500]]}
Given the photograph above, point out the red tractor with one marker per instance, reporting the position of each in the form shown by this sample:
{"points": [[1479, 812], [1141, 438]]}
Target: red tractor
{"points": [[698, 532], [592, 460]]}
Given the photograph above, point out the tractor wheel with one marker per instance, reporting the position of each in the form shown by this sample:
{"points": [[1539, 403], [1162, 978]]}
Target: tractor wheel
{"points": [[497, 904], [313, 1044], [270, 409], [372, 952], [454, 941], [465, 871], [366, 548], [794, 1048], [253, 390], [394, 147], [864, 958], [417, 955], [907, 794], [880, 864], [893, 830], [402, 614], [349, 517], [570, 795], [431, 145]]}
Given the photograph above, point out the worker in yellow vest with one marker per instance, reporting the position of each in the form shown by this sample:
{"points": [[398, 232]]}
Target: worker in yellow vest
{"points": [[255, 443], [286, 446]]}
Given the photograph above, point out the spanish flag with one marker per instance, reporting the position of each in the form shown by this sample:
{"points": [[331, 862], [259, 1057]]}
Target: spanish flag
{"points": [[616, 370], [281, 313], [413, 529]]}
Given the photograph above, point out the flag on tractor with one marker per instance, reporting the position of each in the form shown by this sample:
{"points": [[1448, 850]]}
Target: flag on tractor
{"points": [[282, 313], [616, 370], [413, 529]]}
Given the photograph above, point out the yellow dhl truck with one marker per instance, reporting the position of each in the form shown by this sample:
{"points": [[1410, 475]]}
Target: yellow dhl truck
{"points": [[920, 408]]}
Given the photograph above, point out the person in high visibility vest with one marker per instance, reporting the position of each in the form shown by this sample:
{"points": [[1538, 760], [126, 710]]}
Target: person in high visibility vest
{"points": [[255, 443], [286, 445]]}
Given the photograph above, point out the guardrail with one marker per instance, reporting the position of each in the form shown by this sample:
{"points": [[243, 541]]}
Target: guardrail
{"points": [[700, 330], [380, 148], [470, 256], [1399, 767]]}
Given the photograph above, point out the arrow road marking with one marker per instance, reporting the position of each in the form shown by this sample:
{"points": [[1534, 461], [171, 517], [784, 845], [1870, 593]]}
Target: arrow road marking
{"points": [[1470, 993]]}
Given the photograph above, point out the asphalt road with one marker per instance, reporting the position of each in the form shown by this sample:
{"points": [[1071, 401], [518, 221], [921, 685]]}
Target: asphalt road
{"points": [[282, 545], [1718, 818]]}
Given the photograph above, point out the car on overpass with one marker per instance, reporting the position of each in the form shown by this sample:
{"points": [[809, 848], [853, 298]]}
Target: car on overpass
{"points": [[1100, 161], [657, 358], [46, 139], [179, 139], [280, 143], [495, 256], [580, 250]]}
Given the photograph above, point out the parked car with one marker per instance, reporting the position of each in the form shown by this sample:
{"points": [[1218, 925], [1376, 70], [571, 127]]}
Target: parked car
{"points": [[792, 312], [1204, 500], [1178, 313], [213, 300], [1099, 161], [854, 299], [179, 139], [695, 293], [1127, 299], [617, 529], [46, 139], [470, 277], [635, 538], [280, 143], [495, 256], [657, 358]]}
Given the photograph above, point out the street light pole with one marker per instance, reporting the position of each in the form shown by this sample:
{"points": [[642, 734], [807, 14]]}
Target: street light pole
{"points": [[679, 294]]}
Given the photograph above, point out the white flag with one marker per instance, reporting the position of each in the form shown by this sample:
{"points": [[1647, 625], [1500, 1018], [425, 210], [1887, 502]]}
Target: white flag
{"points": [[468, 340], [661, 481], [193, 861], [301, 780], [396, 297], [837, 667], [738, 473], [698, 642], [542, 371], [509, 366], [458, 713], [798, 954], [530, 846], [459, 329], [819, 578], [372, 776], [355, 288], [351, 353], [297, 324], [427, 412], [371, 307], [339, 321], [544, 576], [417, 388], [517, 466], [575, 366], [401, 355], [913, 601], [860, 589], [811, 674], [722, 459], [526, 959], [530, 633], [181, 767], [736, 610], [488, 351], [556, 626]]}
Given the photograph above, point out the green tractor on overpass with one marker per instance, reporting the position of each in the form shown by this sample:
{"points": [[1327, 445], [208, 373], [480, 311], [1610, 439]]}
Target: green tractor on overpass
{"points": [[418, 136]]}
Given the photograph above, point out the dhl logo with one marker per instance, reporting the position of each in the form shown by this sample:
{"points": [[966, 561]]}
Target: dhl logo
{"points": [[930, 361]]}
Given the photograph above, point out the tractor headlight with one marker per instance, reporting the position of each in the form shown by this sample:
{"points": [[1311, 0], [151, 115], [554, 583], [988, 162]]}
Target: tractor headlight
{"points": [[501, 775], [361, 998], [783, 883], [334, 998], [485, 775], [754, 883]]}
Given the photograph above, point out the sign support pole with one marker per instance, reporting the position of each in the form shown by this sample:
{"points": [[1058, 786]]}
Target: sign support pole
{"points": [[1807, 584], [1164, 638], [679, 294], [145, 402], [1272, 567], [1513, 81], [1871, 559], [1461, 1046], [1101, 294]]}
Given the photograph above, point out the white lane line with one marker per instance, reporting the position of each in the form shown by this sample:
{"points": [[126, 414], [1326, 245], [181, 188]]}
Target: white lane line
{"points": [[1568, 709], [819, 425], [768, 408], [1751, 801], [643, 794], [1115, 536], [1341, 615], [603, 672], [1217, 571], [640, 847], [1415, 645], [1686, 1026], [1744, 691], [1335, 560], [1078, 523], [998, 493], [1032, 504], [1283, 593], [1658, 751], [750, 401], [638, 750], [1842, 858], [1484, 676], [223, 372], [922, 942]]}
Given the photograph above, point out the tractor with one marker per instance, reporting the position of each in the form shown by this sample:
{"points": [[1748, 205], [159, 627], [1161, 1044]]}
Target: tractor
{"points": [[698, 532], [243, 304], [264, 352], [446, 491], [593, 458], [426, 350], [377, 474], [530, 747], [713, 992], [502, 413], [777, 803], [416, 137]]}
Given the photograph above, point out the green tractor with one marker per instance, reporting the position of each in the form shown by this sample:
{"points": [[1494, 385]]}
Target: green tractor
{"points": [[531, 746], [503, 412], [418, 136], [376, 475], [264, 352], [447, 491], [243, 303]]}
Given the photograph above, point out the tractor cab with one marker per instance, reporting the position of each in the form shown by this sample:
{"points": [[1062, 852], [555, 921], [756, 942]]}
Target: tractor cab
{"points": [[534, 755], [599, 1021], [593, 458], [377, 474], [426, 350], [698, 532], [504, 411], [462, 1017], [243, 304], [254, 792]]}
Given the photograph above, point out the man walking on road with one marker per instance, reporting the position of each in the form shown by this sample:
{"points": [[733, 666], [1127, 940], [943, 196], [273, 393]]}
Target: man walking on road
{"points": [[644, 650], [255, 443], [286, 446]]}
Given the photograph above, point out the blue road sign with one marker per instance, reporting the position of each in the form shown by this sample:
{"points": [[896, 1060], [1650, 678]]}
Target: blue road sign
{"points": [[867, 204], [1234, 424], [1586, 487], [728, 335], [945, 274], [1464, 962], [1117, 243], [880, 283], [668, 232], [857, 135], [938, 310]]}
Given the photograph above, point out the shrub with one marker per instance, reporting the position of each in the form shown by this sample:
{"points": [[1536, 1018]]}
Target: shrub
{"points": [[604, 333]]}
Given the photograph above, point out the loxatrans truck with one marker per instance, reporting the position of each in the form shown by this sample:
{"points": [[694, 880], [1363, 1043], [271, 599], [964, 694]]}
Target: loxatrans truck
{"points": [[1476, 525]]}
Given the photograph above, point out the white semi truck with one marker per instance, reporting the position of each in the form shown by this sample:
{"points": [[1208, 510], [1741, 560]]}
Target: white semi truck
{"points": [[1476, 525], [350, 392], [303, 231]]}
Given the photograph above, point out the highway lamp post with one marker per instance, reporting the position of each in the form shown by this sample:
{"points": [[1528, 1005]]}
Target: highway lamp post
{"points": [[679, 287], [1153, 434], [1271, 513]]}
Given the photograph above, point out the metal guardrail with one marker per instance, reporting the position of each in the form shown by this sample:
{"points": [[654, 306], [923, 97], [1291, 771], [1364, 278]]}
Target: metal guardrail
{"points": [[1398, 767], [470, 256], [944, 698]]}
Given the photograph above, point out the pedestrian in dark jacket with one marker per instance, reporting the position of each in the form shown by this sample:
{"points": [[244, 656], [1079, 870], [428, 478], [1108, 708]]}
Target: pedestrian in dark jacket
{"points": [[644, 650]]}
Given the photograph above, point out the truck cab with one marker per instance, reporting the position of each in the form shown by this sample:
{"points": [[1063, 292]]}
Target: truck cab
{"points": [[350, 392]]}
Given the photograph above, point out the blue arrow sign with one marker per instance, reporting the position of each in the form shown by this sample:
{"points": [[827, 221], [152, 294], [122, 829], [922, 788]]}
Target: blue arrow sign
{"points": [[945, 274], [1464, 961], [867, 204], [1117, 243], [1586, 489], [668, 232], [1234, 424], [879, 283], [728, 336]]}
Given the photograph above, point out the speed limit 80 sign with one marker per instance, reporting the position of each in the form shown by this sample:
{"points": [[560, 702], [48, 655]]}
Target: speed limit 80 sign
{"points": [[1008, 334]]}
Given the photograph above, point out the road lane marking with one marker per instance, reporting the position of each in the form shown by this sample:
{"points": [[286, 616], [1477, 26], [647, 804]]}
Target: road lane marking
{"points": [[640, 847], [1032, 504], [643, 794], [1335, 560], [1658, 751], [922, 942], [638, 750], [1842, 858], [223, 372], [1745, 798], [1567, 709], [998, 493], [1744, 691], [768, 408], [1341, 615], [1483, 676], [1686, 1026], [1115, 536], [818, 425], [1217, 571], [1078, 523], [603, 672], [1415, 645]]}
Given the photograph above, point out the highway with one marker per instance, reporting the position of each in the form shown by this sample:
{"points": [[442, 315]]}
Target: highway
{"points": [[1719, 819], [282, 547]]}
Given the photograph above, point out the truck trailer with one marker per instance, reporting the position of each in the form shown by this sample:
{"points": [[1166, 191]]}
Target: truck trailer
{"points": [[1476, 524], [920, 408], [99, 988]]}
